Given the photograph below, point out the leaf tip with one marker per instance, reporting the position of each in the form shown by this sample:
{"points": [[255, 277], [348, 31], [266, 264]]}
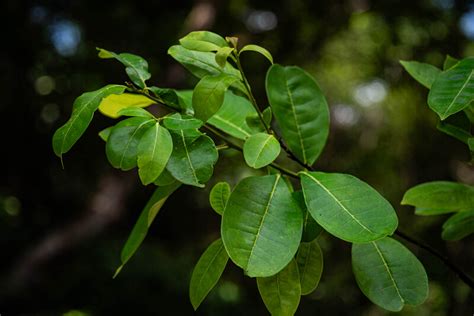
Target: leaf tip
{"points": [[117, 271]]}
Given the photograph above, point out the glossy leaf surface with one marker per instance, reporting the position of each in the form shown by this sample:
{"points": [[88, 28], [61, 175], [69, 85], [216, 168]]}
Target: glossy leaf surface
{"points": [[281, 293], [219, 196], [207, 272], [177, 121], [347, 207], [389, 274], [261, 150], [261, 226], [310, 266], [112, 104], [300, 109]]}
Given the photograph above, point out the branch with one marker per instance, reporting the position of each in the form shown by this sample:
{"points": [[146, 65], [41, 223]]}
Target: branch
{"points": [[461, 274]]}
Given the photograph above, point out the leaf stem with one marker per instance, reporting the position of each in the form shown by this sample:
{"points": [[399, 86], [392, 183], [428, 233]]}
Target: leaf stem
{"points": [[461, 274]]}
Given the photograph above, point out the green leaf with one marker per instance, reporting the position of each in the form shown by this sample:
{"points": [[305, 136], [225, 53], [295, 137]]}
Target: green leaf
{"points": [[457, 126], [82, 112], [136, 112], [209, 93], [154, 150], [204, 41], [114, 103], [193, 158], [167, 96], [311, 229], [300, 109], [449, 62], [255, 123], [310, 266], [219, 196], [261, 225], [421, 72], [105, 133], [281, 293], [389, 274], [421, 211], [122, 145], [440, 195], [222, 54], [458, 226], [165, 178], [453, 90], [136, 66], [257, 49], [177, 121], [201, 64], [147, 216], [261, 150], [347, 207], [470, 143], [207, 272]]}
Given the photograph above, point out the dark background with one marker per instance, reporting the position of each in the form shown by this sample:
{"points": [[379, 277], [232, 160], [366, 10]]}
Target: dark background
{"points": [[61, 231]]}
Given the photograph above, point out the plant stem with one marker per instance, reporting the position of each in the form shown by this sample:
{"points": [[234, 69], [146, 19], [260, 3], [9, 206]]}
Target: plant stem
{"points": [[461, 274]]}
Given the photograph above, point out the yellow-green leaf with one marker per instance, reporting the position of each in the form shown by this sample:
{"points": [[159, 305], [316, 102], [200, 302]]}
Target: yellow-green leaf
{"points": [[111, 105]]}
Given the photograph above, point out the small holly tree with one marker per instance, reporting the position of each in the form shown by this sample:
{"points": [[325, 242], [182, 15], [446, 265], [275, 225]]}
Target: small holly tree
{"points": [[270, 223]]}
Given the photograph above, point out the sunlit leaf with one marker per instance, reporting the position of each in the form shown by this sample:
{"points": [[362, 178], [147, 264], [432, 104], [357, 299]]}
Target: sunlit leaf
{"points": [[421, 72], [261, 150], [114, 103], [219, 196], [257, 49], [204, 41], [222, 54]]}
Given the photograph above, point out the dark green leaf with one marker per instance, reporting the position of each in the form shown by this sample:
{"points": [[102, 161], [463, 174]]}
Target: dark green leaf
{"points": [[82, 112], [257, 49], [457, 126], [261, 225], [300, 109], [208, 95], [255, 123], [310, 266], [389, 274], [459, 225], [421, 72], [440, 195], [177, 121], [261, 150], [154, 150], [136, 67], [449, 62], [347, 207], [311, 229], [122, 145], [167, 96], [207, 272], [281, 293], [453, 90], [193, 158], [219, 196], [147, 216]]}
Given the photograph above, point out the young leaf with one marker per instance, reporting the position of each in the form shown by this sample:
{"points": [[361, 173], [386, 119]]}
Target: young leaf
{"points": [[207, 272], [257, 49], [310, 266], [114, 103], [122, 144], [135, 112], [261, 226], [136, 66], [347, 207], [201, 64], [219, 196], [147, 216], [105, 133], [459, 226], [204, 41], [82, 112], [154, 150], [222, 54], [281, 293], [440, 195], [300, 110], [261, 150], [311, 229], [389, 274], [421, 72], [453, 90], [177, 121], [193, 158], [449, 62], [209, 93], [454, 131]]}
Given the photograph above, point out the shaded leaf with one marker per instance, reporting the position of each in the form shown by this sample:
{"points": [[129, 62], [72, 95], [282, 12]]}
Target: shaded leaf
{"points": [[165, 178], [203, 41], [458, 226], [310, 266], [457, 126], [389, 274], [261, 226], [207, 272], [114, 103], [167, 96], [255, 123], [82, 112], [177, 121], [347, 207], [421, 72], [300, 109], [105, 133], [219, 196], [261, 150], [281, 293], [137, 112], [449, 62], [257, 49], [311, 229]]}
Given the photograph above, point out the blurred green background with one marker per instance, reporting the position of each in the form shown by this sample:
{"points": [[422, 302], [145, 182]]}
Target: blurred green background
{"points": [[61, 231]]}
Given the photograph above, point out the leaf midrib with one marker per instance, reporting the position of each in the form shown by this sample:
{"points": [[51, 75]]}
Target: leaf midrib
{"points": [[190, 163], [261, 149], [458, 94], [129, 140]]}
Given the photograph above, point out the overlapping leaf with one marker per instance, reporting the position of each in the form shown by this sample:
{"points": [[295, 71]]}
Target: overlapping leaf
{"points": [[219, 196], [310, 266], [458, 226], [421, 72], [260, 150], [114, 103]]}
